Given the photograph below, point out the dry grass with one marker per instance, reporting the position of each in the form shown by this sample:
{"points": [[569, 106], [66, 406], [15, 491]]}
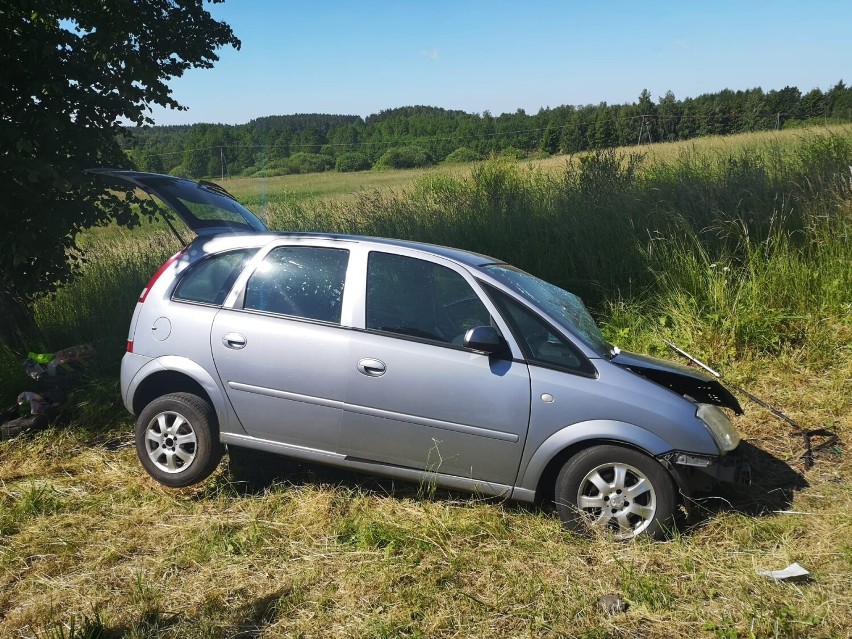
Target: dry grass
{"points": [[292, 551], [330, 185], [718, 145]]}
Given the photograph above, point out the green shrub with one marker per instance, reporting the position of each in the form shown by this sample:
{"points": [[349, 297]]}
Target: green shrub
{"points": [[404, 157], [352, 161], [513, 153], [462, 154], [308, 163]]}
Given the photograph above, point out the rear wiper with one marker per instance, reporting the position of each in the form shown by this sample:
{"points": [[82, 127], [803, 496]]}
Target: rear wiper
{"points": [[212, 186]]}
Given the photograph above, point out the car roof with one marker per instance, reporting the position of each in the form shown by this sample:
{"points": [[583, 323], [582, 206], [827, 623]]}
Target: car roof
{"points": [[218, 243]]}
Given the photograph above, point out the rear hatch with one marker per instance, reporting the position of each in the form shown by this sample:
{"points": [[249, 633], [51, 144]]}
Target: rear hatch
{"points": [[204, 207]]}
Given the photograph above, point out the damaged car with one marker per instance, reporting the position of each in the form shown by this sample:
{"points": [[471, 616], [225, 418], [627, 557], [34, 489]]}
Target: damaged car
{"points": [[407, 360]]}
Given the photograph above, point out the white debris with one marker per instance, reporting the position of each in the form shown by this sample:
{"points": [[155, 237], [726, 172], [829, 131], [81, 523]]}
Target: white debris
{"points": [[793, 572]]}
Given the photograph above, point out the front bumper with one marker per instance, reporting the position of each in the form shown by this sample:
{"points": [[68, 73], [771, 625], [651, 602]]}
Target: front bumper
{"points": [[696, 474]]}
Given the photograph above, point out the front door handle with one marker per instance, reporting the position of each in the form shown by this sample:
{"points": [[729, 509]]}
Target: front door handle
{"points": [[234, 340], [371, 367]]}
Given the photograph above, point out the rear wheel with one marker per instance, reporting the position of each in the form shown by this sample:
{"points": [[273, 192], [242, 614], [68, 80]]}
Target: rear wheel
{"points": [[616, 491], [177, 439]]}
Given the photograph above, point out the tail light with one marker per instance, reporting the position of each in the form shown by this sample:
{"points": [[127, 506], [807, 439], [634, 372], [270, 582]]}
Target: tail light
{"points": [[157, 275], [129, 346]]}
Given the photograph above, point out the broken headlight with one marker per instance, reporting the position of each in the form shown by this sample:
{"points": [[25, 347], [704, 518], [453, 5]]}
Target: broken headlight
{"points": [[720, 427]]}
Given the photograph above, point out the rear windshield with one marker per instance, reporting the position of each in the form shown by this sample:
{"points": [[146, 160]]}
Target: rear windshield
{"points": [[203, 207]]}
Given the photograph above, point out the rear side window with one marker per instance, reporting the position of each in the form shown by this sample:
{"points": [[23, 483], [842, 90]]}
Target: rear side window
{"points": [[209, 281], [301, 281]]}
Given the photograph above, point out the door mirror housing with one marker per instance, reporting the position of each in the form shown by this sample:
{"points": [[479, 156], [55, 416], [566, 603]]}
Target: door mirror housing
{"points": [[485, 339]]}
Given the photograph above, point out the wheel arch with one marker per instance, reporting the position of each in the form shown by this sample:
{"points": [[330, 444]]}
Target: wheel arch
{"points": [[538, 479], [175, 375]]}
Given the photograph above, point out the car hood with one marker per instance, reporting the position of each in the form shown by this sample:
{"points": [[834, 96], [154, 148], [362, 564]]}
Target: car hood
{"points": [[699, 386], [204, 207]]}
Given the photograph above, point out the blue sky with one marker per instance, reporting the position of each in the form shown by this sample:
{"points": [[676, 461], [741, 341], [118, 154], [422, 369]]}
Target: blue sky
{"points": [[362, 57]]}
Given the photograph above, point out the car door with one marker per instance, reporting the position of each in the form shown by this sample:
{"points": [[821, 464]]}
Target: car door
{"points": [[415, 397], [280, 350]]}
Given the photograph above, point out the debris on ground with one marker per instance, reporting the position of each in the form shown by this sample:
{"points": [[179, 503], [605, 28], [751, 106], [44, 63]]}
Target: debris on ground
{"points": [[52, 375], [793, 572], [612, 604]]}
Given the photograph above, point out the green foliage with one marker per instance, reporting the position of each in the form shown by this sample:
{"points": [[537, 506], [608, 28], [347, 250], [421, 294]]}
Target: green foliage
{"points": [[12, 377], [404, 157], [512, 153], [352, 161], [644, 589], [263, 143], [462, 154], [84, 627], [35, 500], [731, 251], [308, 163], [72, 72]]}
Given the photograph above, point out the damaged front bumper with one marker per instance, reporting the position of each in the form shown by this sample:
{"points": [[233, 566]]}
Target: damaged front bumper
{"points": [[696, 474]]}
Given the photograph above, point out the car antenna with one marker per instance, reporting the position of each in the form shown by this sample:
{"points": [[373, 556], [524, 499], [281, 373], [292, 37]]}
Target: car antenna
{"points": [[806, 434]]}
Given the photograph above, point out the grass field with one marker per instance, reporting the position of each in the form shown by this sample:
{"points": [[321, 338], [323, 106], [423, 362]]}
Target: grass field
{"points": [[739, 249]]}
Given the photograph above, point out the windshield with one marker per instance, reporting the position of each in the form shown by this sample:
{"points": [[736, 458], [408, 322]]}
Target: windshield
{"points": [[565, 308]]}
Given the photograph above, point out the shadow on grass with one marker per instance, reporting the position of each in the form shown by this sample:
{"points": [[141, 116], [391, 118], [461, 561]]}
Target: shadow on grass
{"points": [[773, 487], [252, 472], [774, 484]]}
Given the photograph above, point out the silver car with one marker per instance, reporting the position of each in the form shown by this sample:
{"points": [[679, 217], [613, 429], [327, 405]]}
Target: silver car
{"points": [[408, 360]]}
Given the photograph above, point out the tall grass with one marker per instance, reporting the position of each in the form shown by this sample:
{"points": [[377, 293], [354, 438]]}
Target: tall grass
{"points": [[750, 245], [96, 306]]}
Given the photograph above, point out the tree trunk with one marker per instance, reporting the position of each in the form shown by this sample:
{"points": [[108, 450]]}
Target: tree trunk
{"points": [[17, 325]]}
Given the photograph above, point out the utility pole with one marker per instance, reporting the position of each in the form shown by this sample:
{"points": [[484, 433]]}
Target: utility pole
{"points": [[647, 131], [222, 160]]}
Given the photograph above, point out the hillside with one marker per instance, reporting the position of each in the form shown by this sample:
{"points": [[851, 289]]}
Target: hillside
{"points": [[419, 136]]}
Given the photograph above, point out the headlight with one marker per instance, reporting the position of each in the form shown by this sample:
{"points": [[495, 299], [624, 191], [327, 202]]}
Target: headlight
{"points": [[723, 431]]}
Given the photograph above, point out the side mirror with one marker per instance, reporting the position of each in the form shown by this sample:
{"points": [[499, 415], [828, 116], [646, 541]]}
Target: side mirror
{"points": [[485, 339]]}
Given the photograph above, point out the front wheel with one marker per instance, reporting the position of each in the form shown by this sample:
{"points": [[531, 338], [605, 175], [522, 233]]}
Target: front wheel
{"points": [[617, 491], [177, 439]]}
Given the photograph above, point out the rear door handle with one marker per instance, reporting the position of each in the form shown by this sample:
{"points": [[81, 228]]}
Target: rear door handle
{"points": [[371, 367], [234, 340]]}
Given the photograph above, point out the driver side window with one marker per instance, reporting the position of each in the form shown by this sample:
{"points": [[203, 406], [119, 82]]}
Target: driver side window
{"points": [[420, 299]]}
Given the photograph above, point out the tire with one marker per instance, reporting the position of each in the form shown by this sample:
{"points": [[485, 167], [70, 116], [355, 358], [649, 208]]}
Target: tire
{"points": [[177, 439], [616, 491]]}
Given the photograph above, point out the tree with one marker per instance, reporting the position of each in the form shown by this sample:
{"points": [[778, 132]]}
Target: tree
{"points": [[71, 72]]}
